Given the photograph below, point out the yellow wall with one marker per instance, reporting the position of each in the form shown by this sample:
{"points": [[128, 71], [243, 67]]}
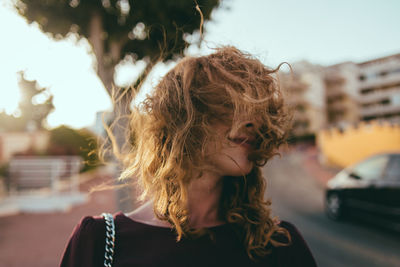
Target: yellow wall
{"points": [[354, 144]]}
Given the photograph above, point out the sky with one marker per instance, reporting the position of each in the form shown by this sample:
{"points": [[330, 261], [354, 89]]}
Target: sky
{"points": [[320, 31]]}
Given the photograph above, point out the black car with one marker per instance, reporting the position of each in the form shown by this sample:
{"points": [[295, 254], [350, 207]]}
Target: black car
{"points": [[369, 189]]}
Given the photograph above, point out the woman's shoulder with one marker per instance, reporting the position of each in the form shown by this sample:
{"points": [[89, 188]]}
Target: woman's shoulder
{"points": [[297, 253], [291, 228], [93, 225], [86, 243], [90, 223], [91, 229]]}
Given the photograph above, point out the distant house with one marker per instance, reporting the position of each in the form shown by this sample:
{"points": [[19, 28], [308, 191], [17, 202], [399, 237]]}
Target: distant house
{"points": [[12, 143], [343, 94]]}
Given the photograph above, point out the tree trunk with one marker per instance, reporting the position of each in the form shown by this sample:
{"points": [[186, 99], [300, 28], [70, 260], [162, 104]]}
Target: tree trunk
{"points": [[105, 71], [126, 196]]}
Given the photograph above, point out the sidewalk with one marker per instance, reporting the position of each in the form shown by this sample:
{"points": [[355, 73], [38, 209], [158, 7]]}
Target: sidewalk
{"points": [[321, 173], [38, 240]]}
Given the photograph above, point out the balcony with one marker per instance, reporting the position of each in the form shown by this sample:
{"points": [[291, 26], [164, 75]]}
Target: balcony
{"points": [[334, 91], [334, 79], [379, 110], [294, 86], [301, 128], [299, 116], [338, 106], [378, 95], [380, 81], [296, 100]]}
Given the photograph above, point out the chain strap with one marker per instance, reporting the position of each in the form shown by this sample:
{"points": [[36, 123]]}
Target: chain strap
{"points": [[110, 239]]}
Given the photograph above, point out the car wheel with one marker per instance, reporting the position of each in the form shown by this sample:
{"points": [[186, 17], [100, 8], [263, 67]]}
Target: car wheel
{"points": [[334, 206]]}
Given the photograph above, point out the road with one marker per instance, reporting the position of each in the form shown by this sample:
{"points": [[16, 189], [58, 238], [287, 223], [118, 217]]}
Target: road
{"points": [[298, 198]]}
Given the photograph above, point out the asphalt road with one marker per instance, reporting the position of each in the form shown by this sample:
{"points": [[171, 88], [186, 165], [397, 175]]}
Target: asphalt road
{"points": [[298, 198]]}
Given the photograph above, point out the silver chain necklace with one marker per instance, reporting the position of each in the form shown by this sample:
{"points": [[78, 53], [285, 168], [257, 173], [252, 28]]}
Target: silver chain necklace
{"points": [[110, 239]]}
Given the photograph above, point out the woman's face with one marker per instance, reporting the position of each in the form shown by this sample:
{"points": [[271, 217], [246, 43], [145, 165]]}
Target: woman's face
{"points": [[230, 155]]}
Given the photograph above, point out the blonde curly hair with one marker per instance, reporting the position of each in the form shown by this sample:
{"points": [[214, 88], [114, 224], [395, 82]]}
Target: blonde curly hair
{"points": [[172, 126]]}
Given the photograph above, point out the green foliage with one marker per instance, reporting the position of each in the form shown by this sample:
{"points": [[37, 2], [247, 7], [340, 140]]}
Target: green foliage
{"points": [[67, 141], [119, 19], [3, 170], [11, 123], [30, 110], [31, 113], [152, 30], [4, 178], [139, 28]]}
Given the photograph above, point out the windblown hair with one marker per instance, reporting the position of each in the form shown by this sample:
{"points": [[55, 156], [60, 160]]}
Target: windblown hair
{"points": [[173, 126]]}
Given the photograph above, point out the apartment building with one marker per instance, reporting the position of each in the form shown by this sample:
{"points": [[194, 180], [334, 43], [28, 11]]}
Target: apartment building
{"points": [[304, 91], [379, 89], [341, 94]]}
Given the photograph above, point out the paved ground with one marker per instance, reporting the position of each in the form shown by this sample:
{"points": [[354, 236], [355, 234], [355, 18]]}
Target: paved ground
{"points": [[38, 240], [299, 198], [310, 162]]}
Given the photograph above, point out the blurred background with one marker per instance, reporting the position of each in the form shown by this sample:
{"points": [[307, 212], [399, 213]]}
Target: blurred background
{"points": [[338, 179]]}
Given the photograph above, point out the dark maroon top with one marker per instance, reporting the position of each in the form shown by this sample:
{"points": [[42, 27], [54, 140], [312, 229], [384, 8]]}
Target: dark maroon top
{"points": [[139, 244]]}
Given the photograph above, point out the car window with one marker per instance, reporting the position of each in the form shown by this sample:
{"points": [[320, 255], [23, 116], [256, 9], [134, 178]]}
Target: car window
{"points": [[393, 169], [372, 168]]}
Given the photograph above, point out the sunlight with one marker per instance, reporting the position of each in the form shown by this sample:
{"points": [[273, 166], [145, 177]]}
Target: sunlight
{"points": [[9, 91], [65, 67]]}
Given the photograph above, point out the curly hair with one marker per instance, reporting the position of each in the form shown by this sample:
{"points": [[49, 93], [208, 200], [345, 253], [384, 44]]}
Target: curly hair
{"points": [[173, 125]]}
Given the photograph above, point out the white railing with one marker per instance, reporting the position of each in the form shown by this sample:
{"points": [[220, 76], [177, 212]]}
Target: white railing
{"points": [[379, 94], [56, 173], [378, 110]]}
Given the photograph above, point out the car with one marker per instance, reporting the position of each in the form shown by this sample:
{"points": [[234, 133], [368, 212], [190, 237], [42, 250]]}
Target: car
{"points": [[369, 189]]}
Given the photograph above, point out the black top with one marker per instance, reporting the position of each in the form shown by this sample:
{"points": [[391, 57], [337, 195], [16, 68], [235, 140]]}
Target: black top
{"points": [[139, 244]]}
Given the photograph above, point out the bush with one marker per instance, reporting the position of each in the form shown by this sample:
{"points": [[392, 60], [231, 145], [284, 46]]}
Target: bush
{"points": [[67, 141], [3, 170], [4, 175]]}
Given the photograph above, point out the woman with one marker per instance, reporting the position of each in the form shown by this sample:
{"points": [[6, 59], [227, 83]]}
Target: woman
{"points": [[200, 140]]}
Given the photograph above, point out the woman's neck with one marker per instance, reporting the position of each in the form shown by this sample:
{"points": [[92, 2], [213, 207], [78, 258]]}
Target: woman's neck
{"points": [[204, 199]]}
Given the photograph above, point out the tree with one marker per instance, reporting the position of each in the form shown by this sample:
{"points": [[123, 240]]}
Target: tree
{"points": [[67, 141], [116, 29], [149, 30], [32, 113]]}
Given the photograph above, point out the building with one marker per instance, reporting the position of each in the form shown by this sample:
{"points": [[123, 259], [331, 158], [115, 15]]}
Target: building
{"points": [[304, 91], [12, 143], [343, 94], [379, 89]]}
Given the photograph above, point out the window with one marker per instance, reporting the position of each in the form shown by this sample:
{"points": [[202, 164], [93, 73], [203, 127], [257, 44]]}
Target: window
{"points": [[367, 91], [371, 168], [393, 170], [395, 70]]}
